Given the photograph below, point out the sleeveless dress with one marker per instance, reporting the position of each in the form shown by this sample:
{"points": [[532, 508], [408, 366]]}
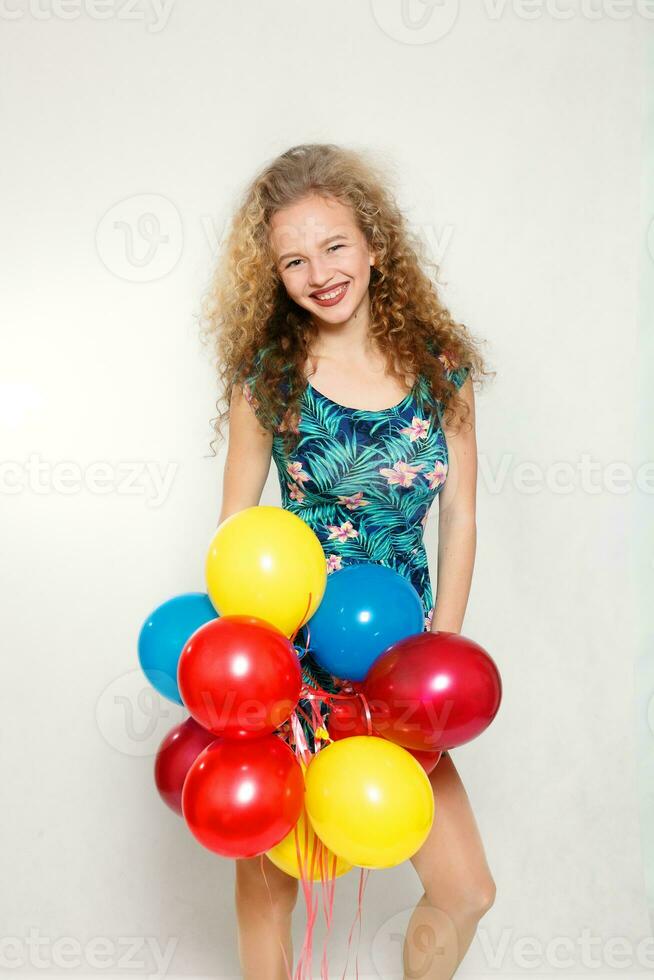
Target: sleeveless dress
{"points": [[364, 482]]}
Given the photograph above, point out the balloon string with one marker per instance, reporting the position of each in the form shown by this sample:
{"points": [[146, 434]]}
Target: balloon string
{"points": [[328, 886], [294, 634], [328, 880], [346, 692], [363, 878], [301, 744], [306, 879]]}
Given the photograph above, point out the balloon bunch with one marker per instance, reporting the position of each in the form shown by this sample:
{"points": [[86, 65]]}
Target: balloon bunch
{"points": [[239, 769]]}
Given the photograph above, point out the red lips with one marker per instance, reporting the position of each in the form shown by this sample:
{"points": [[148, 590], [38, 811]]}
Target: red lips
{"points": [[328, 289]]}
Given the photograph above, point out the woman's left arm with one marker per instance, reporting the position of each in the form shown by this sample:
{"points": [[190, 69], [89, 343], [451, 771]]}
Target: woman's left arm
{"points": [[457, 526]]}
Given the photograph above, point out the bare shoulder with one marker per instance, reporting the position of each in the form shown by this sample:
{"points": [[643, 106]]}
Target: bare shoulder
{"points": [[243, 421], [249, 454]]}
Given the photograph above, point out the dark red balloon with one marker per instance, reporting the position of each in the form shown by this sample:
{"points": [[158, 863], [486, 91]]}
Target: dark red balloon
{"points": [[239, 676], [241, 797], [177, 753], [433, 691], [428, 760]]}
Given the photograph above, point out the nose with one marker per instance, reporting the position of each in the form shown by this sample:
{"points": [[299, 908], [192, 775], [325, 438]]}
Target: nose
{"points": [[320, 272]]}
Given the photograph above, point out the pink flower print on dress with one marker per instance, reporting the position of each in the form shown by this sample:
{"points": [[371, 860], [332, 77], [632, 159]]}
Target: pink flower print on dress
{"points": [[343, 532], [429, 618], [334, 563], [290, 423], [437, 475], [354, 501], [297, 473], [417, 430], [446, 361], [249, 397], [403, 474], [295, 493]]}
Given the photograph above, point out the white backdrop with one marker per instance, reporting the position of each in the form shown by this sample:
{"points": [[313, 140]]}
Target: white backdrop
{"points": [[516, 132]]}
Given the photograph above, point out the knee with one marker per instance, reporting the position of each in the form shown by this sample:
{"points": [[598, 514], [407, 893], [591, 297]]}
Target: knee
{"points": [[279, 896], [480, 898], [485, 897], [473, 900]]}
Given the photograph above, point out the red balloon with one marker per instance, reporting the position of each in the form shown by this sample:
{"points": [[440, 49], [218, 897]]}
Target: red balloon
{"points": [[242, 797], [433, 691], [346, 718], [239, 676], [177, 753], [428, 760]]}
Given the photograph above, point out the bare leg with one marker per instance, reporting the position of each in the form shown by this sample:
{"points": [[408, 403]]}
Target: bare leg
{"points": [[459, 887], [264, 926]]}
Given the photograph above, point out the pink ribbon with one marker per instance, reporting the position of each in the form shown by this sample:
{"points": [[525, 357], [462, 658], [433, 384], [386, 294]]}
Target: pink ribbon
{"points": [[319, 852], [293, 733]]}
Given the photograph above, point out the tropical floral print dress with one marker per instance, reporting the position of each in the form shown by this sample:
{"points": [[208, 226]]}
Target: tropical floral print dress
{"points": [[364, 482]]}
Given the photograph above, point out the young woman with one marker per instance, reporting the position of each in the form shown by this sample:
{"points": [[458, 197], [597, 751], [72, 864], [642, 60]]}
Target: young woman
{"points": [[341, 363]]}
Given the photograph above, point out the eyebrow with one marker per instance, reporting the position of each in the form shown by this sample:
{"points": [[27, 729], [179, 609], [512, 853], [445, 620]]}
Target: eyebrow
{"points": [[326, 241]]}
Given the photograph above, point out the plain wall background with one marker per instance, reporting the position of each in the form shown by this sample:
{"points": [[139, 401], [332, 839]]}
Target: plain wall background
{"points": [[517, 143]]}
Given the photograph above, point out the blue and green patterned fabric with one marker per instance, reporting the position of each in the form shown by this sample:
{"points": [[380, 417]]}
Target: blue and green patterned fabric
{"points": [[364, 482]]}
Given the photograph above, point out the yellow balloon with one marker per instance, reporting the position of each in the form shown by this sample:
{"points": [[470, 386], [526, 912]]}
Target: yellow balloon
{"points": [[284, 854], [369, 800], [266, 562]]}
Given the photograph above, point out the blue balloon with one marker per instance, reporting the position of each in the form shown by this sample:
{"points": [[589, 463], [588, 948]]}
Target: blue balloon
{"points": [[365, 608], [164, 634]]}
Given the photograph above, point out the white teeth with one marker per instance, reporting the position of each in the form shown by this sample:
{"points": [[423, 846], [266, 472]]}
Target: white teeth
{"points": [[333, 294]]}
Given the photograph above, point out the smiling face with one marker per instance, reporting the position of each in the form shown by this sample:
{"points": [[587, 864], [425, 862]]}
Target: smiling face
{"points": [[322, 258]]}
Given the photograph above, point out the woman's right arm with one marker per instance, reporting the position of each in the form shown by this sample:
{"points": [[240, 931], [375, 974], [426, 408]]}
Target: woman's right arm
{"points": [[248, 457]]}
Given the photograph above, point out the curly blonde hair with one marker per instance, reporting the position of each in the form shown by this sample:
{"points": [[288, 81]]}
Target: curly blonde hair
{"points": [[257, 332]]}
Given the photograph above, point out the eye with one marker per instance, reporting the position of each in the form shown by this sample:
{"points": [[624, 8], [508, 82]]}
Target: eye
{"points": [[291, 264]]}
